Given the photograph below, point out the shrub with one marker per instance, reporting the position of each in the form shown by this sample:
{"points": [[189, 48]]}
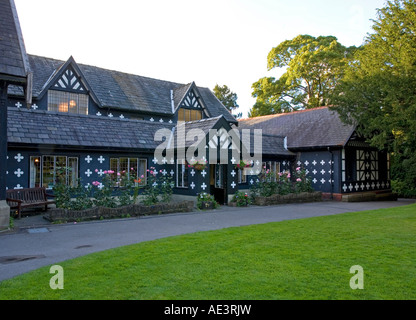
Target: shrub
{"points": [[302, 182], [159, 188], [241, 199]]}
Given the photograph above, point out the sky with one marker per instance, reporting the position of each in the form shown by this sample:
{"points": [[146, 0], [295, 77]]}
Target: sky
{"points": [[211, 42]]}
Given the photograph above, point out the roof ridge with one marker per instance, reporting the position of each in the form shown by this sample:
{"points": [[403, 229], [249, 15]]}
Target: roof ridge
{"points": [[286, 113], [107, 69]]}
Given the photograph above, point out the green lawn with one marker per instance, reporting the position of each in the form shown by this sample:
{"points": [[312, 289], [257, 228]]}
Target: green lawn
{"points": [[297, 259]]}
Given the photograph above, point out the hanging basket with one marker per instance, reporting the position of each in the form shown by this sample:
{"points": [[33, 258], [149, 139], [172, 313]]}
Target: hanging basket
{"points": [[242, 164], [199, 166]]}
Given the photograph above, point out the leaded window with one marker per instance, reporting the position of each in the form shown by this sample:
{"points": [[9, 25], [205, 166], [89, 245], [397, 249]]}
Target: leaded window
{"points": [[132, 169], [68, 102], [189, 115], [46, 171]]}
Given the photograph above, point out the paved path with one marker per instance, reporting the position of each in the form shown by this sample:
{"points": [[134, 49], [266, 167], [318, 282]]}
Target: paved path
{"points": [[37, 243]]}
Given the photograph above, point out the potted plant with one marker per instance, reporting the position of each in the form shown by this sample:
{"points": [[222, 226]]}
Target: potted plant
{"points": [[206, 201]]}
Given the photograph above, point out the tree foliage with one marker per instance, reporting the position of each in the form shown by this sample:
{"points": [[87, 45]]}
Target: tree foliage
{"points": [[313, 67], [378, 91], [227, 97]]}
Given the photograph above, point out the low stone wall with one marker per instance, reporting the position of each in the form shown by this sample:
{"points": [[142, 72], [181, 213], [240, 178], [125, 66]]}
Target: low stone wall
{"points": [[288, 198], [134, 210], [370, 196]]}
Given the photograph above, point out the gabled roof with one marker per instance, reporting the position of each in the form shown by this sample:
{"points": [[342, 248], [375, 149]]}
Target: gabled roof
{"points": [[311, 128], [183, 93], [124, 91], [60, 71], [14, 65]]}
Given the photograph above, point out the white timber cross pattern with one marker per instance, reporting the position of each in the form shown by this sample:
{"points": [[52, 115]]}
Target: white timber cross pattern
{"points": [[88, 159], [19, 172], [101, 159], [19, 157]]}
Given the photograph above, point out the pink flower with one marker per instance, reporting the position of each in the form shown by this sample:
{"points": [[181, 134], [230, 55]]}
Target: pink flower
{"points": [[298, 169], [110, 171], [105, 172], [96, 170], [288, 175], [151, 171], [142, 176], [298, 179], [95, 183], [118, 173]]}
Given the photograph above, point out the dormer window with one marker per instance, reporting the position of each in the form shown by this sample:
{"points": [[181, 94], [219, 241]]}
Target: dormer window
{"points": [[69, 102]]}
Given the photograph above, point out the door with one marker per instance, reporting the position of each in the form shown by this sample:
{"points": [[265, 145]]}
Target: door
{"points": [[218, 182]]}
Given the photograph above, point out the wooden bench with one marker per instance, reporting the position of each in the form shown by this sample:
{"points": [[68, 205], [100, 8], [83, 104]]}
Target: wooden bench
{"points": [[28, 198]]}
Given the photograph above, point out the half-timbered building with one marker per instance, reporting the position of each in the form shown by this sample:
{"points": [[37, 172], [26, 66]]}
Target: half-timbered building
{"points": [[91, 120], [338, 161]]}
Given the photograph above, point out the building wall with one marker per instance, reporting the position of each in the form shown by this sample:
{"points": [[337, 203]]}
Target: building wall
{"points": [[323, 168]]}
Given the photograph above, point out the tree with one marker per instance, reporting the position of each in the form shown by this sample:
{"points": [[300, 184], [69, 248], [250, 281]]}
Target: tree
{"points": [[227, 98], [313, 67], [378, 92]]}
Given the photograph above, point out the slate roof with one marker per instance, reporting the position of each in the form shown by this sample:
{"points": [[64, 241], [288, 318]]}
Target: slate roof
{"points": [[81, 131], [319, 127], [273, 145], [13, 59], [123, 91]]}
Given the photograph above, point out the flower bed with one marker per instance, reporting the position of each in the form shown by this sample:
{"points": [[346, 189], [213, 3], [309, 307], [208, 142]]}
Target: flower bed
{"points": [[288, 198], [134, 210]]}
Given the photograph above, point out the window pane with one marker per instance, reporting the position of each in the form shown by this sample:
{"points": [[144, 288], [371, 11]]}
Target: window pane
{"points": [[60, 170], [182, 174], [83, 104], [124, 165], [142, 171], [73, 172], [48, 170], [73, 103], [181, 114], [35, 172], [67, 102]]}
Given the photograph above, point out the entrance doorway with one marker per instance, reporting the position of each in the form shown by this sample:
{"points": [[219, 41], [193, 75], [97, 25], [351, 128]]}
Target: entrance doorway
{"points": [[218, 182]]}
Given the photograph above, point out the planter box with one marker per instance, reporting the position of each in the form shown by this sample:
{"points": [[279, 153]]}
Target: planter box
{"points": [[288, 198], [96, 213], [207, 205], [234, 204]]}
